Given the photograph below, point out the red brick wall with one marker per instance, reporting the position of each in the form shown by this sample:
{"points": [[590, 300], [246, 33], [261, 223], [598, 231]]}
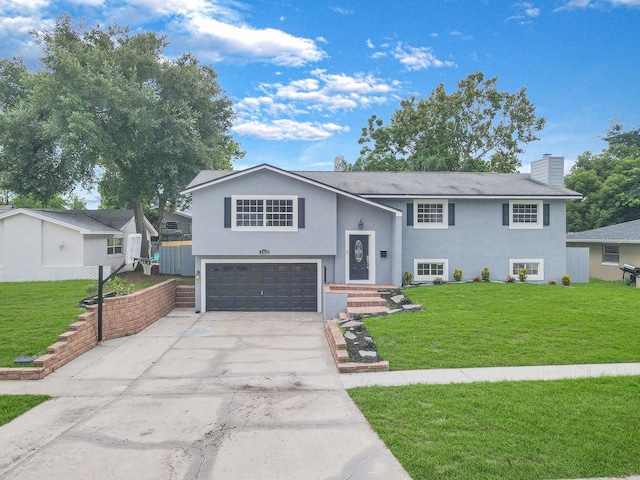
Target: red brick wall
{"points": [[121, 316]]}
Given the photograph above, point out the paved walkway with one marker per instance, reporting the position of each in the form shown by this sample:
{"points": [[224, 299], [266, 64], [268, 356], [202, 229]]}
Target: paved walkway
{"points": [[490, 374], [215, 395]]}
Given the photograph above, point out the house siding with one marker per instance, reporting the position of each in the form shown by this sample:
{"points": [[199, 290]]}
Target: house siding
{"points": [[629, 253], [61, 246], [318, 238], [478, 240]]}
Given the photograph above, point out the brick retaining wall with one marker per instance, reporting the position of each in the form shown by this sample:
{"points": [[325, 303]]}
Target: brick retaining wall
{"points": [[338, 347], [121, 316]]}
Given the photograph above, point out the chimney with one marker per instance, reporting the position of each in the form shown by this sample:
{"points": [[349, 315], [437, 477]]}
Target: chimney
{"points": [[548, 170]]}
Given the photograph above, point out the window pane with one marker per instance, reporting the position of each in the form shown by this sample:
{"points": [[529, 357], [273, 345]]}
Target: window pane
{"points": [[430, 213], [610, 254], [525, 213]]}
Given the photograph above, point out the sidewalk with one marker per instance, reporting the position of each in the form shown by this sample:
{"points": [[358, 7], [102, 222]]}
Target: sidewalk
{"points": [[487, 374]]}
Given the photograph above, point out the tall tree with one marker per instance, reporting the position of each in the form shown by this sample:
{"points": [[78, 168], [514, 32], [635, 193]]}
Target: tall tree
{"points": [[111, 99], [475, 128], [609, 181]]}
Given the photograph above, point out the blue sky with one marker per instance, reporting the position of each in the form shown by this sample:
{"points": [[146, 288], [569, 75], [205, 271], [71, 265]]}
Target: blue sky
{"points": [[305, 76]]}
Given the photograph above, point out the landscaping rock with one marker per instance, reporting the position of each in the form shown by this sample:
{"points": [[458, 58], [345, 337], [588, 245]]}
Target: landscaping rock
{"points": [[397, 299], [350, 336], [395, 310], [411, 306], [367, 353], [352, 324]]}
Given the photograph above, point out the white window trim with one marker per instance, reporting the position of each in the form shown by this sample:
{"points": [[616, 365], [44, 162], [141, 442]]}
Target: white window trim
{"points": [[526, 226], [235, 227], [429, 278], [115, 254], [611, 264], [428, 225], [539, 261]]}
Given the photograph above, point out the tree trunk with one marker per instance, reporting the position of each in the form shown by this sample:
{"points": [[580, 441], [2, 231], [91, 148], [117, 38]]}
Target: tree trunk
{"points": [[136, 205], [162, 205]]}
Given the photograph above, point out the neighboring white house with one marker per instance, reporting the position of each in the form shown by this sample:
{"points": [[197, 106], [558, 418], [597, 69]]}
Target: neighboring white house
{"points": [[39, 244]]}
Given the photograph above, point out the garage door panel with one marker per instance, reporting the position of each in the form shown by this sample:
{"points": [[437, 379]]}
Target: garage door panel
{"points": [[261, 286]]}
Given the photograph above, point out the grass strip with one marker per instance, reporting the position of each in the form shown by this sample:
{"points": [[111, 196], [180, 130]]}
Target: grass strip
{"points": [[33, 314], [580, 428], [12, 406]]}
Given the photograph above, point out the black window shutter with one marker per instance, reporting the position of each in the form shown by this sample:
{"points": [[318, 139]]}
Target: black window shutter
{"points": [[227, 212], [409, 214], [505, 214], [452, 214], [300, 212], [545, 214]]}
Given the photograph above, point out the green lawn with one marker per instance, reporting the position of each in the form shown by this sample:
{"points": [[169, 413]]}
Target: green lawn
{"points": [[510, 430], [33, 314], [499, 324], [13, 405]]}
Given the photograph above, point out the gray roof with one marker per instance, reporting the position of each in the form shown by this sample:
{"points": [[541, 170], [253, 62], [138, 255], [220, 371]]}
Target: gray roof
{"points": [[412, 184], [627, 232], [96, 221]]}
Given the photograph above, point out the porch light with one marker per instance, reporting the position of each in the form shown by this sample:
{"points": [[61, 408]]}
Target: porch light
{"points": [[198, 275], [360, 225], [61, 244]]}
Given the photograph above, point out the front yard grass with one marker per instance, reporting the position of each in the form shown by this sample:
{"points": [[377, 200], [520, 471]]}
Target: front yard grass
{"points": [[33, 314], [581, 428], [12, 406], [499, 324]]}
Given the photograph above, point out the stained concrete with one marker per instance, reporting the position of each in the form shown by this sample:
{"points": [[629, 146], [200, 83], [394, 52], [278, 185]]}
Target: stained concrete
{"points": [[198, 396]]}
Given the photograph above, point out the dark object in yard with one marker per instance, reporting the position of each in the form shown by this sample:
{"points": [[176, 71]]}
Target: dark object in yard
{"points": [[24, 360], [632, 271], [94, 300]]}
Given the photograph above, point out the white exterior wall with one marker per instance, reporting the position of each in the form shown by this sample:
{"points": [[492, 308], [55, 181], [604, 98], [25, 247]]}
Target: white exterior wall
{"points": [[60, 246], [29, 251]]}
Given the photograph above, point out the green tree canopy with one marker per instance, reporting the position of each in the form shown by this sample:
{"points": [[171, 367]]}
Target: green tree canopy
{"points": [[609, 181], [105, 98], [475, 128]]}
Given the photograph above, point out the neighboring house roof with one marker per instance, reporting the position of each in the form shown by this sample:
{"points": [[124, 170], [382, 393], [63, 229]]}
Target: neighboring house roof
{"points": [[87, 222], [627, 232], [415, 184]]}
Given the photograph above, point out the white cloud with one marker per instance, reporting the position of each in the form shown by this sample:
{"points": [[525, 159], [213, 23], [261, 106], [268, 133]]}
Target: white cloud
{"points": [[456, 33], [574, 4], [342, 11], [273, 114], [267, 44], [370, 43], [526, 12], [418, 58], [285, 129]]}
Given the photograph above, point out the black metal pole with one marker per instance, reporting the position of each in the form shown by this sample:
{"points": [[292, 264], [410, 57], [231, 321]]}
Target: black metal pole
{"points": [[100, 283]]}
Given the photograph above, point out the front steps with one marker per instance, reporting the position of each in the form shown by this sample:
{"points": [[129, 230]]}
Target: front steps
{"points": [[185, 296], [363, 299]]}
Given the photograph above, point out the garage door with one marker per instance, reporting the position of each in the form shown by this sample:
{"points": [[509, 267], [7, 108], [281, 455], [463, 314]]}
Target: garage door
{"points": [[262, 286]]}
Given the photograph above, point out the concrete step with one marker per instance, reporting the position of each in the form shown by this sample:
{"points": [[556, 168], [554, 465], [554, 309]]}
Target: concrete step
{"points": [[366, 302]]}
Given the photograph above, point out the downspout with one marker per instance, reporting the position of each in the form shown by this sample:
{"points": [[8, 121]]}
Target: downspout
{"points": [[396, 267]]}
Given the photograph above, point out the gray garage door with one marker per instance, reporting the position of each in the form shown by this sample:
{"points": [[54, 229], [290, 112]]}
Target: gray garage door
{"points": [[262, 286]]}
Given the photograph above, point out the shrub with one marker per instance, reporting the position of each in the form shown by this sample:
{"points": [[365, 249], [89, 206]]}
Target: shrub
{"points": [[476, 279], [553, 282], [438, 281], [407, 278], [485, 274], [92, 290], [511, 279], [566, 280], [457, 274], [522, 274], [120, 287]]}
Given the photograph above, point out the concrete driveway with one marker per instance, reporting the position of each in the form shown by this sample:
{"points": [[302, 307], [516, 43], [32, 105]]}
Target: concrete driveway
{"points": [[198, 396]]}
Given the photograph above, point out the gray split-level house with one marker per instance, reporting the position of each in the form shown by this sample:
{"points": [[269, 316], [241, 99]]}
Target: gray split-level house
{"points": [[267, 239]]}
